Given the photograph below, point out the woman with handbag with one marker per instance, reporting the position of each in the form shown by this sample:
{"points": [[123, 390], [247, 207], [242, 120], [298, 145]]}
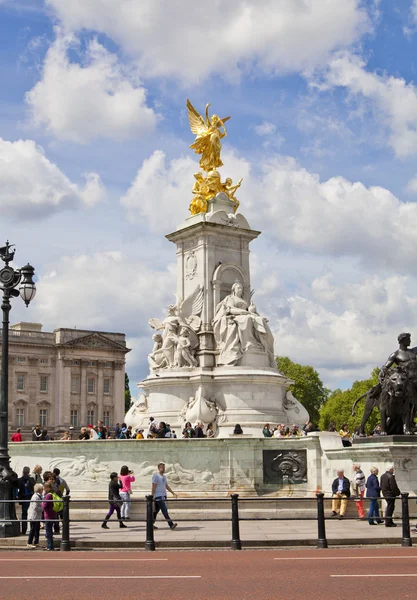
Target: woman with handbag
{"points": [[114, 500]]}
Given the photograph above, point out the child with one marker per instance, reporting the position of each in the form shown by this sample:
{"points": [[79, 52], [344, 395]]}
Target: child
{"points": [[114, 500], [49, 514]]}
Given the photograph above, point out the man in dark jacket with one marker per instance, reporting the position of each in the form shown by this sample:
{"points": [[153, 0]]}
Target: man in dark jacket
{"points": [[25, 487], [341, 492], [389, 490]]}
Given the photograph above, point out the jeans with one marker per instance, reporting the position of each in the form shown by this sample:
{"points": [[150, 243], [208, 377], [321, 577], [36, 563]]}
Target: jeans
{"points": [[111, 511], [25, 508], [49, 532], [161, 505], [34, 533], [373, 510], [125, 496]]}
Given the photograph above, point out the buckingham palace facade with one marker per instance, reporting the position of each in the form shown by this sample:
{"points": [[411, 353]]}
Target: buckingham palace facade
{"points": [[67, 378]]}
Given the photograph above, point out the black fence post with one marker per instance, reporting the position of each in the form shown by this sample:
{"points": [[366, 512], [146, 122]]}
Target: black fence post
{"points": [[65, 539], [321, 541], [236, 543], [150, 541], [406, 539]]}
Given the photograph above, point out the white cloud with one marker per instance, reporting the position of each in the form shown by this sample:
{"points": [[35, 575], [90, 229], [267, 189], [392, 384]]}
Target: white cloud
{"points": [[266, 128], [336, 217], [393, 100], [412, 185], [32, 186], [177, 39], [95, 99]]}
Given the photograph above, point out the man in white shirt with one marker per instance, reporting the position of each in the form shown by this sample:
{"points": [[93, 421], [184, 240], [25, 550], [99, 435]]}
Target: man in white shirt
{"points": [[159, 492]]}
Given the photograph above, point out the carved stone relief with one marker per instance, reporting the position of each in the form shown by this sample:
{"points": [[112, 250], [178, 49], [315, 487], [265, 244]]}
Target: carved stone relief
{"points": [[191, 266], [285, 466]]}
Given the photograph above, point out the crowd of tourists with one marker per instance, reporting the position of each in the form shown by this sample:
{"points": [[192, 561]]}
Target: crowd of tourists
{"points": [[288, 431], [370, 487], [40, 495]]}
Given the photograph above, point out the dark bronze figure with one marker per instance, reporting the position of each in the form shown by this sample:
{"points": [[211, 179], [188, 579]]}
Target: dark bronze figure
{"points": [[396, 393]]}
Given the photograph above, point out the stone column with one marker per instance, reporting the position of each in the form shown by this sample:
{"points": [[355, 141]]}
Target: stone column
{"points": [[83, 393], [119, 391], [100, 390]]}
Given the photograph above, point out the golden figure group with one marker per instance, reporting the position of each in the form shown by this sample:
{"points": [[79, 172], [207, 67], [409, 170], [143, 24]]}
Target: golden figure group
{"points": [[209, 133]]}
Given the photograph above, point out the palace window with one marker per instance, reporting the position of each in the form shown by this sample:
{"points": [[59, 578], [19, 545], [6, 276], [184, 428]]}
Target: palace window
{"points": [[44, 361], [75, 362], [75, 385], [43, 417], [106, 386], [108, 365], [90, 363], [74, 418], [91, 385], [106, 418], [20, 417], [20, 383], [43, 387], [20, 359], [91, 416]]}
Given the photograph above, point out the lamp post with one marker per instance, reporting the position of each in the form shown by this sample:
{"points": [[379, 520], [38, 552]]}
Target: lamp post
{"points": [[10, 279]]}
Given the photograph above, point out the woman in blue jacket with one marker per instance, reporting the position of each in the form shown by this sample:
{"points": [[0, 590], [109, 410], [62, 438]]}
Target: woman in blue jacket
{"points": [[373, 492]]}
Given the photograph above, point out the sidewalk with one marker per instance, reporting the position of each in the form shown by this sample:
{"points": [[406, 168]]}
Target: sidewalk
{"points": [[211, 534]]}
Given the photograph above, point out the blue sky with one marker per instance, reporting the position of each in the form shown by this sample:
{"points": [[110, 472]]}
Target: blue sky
{"points": [[95, 167]]}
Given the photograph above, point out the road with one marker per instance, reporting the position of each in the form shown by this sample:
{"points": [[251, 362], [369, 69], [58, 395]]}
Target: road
{"points": [[381, 573]]}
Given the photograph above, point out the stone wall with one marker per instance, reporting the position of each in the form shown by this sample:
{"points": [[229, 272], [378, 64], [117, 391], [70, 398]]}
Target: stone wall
{"points": [[217, 467]]}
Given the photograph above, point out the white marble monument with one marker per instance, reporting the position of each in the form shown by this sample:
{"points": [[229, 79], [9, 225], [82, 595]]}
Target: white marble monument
{"points": [[213, 355]]}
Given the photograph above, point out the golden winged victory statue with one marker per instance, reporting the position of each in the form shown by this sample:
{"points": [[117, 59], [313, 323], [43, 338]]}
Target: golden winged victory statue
{"points": [[209, 133]]}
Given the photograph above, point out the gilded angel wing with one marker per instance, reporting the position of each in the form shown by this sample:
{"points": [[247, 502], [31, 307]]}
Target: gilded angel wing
{"points": [[156, 324], [197, 123], [225, 119], [193, 304]]}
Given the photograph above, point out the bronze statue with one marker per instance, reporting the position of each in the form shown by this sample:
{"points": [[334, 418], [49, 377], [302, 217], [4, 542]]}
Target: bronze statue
{"points": [[396, 393]]}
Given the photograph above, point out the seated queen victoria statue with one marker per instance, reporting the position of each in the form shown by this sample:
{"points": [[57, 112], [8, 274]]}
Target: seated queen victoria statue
{"points": [[239, 329]]}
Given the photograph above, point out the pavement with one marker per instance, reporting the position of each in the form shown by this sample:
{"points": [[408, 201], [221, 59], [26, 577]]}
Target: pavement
{"points": [[383, 573], [211, 534]]}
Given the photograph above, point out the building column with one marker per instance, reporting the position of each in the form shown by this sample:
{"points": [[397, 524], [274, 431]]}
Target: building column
{"points": [[83, 394], [100, 390], [119, 392]]}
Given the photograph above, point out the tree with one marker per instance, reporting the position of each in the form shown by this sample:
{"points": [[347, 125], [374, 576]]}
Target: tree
{"points": [[307, 387], [128, 397], [338, 407]]}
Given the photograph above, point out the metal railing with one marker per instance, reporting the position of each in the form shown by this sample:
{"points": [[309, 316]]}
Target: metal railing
{"points": [[234, 518]]}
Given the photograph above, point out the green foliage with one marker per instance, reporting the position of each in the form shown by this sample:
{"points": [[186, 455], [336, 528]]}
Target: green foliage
{"points": [[128, 397], [338, 406], [307, 387]]}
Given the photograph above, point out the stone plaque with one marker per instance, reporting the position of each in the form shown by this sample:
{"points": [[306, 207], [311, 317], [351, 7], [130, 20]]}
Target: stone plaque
{"points": [[285, 466]]}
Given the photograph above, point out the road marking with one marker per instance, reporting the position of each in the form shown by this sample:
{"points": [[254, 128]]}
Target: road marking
{"points": [[380, 575], [105, 577], [81, 559], [347, 557]]}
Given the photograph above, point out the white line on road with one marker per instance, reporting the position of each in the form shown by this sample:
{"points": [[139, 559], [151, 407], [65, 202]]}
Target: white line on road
{"points": [[104, 577], [65, 560], [346, 557], [380, 575]]}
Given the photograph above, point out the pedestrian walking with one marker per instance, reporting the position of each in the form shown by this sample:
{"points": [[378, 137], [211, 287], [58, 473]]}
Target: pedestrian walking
{"points": [[359, 489], [49, 514], [159, 492], [373, 492], [341, 492], [127, 478], [389, 490], [35, 516], [25, 487], [115, 501]]}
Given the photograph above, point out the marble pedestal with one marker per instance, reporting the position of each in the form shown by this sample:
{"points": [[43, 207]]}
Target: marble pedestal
{"points": [[243, 395]]}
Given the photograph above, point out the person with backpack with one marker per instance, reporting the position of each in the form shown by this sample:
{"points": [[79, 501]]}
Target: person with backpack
{"points": [[35, 516], [115, 500], [25, 487], [49, 514]]}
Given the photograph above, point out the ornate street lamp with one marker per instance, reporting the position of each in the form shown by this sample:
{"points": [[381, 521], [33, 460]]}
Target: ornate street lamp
{"points": [[10, 279]]}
